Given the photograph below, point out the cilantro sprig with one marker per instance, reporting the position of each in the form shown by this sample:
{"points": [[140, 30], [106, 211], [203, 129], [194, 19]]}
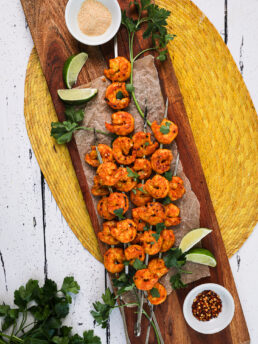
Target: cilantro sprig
{"points": [[174, 258], [155, 20], [63, 131], [47, 306]]}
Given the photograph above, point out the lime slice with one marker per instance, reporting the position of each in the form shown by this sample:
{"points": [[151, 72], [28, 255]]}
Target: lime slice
{"points": [[72, 68], [201, 256], [192, 238], [77, 95]]}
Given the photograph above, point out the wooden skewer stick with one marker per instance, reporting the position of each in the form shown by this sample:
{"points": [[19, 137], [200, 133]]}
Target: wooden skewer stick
{"points": [[137, 329]]}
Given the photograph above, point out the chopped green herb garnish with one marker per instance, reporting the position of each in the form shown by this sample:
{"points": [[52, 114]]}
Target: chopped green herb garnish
{"points": [[154, 292], [131, 173], [119, 213], [168, 175], [139, 265], [119, 95], [166, 200]]}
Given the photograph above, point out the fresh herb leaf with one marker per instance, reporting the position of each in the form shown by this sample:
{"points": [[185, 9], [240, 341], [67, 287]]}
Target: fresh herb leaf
{"points": [[159, 229], [164, 129], [168, 175], [101, 310], [154, 292], [89, 338], [47, 306], [176, 281], [131, 173], [63, 131], [138, 264], [134, 191], [119, 95], [146, 144], [119, 213], [142, 190], [174, 258], [70, 286], [73, 114], [130, 88], [166, 200]]}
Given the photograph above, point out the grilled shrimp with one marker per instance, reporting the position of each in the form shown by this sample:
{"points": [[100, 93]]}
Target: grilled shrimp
{"points": [[105, 152], [98, 189], [158, 267], [106, 236], [117, 201], [152, 213], [140, 224], [119, 69], [113, 260], [107, 173], [165, 132], [176, 188], [161, 160], [172, 215], [125, 231], [143, 145], [143, 168], [162, 295], [102, 208], [145, 279], [140, 196], [123, 151], [117, 96], [157, 187], [122, 123], [168, 239], [124, 183], [134, 251], [150, 244]]}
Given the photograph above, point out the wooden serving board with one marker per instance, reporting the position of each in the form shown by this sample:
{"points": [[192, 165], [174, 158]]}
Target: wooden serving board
{"points": [[54, 45]]}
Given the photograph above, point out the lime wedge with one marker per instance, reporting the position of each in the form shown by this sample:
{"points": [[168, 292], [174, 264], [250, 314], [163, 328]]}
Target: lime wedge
{"points": [[77, 95], [192, 238], [201, 256], [72, 68]]}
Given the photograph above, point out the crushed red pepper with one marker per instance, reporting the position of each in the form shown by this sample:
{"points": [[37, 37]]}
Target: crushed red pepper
{"points": [[207, 305]]}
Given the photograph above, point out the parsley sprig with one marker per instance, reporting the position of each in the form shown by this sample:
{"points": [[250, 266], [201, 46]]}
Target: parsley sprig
{"points": [[63, 131], [155, 20], [47, 306]]}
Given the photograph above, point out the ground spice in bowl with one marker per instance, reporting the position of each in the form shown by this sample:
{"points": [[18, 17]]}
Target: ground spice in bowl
{"points": [[94, 18], [207, 305]]}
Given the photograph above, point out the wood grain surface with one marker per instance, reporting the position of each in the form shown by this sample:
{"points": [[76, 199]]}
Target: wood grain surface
{"points": [[54, 45]]}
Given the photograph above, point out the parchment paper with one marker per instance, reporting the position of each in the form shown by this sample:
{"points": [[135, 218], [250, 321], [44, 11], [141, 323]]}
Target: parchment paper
{"points": [[97, 112]]}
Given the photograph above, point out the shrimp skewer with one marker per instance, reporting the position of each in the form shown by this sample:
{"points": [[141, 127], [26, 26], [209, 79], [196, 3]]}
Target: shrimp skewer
{"points": [[160, 256], [112, 246], [137, 329]]}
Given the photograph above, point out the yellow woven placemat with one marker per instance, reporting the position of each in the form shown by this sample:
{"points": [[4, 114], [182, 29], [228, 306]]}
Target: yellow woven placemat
{"points": [[222, 117]]}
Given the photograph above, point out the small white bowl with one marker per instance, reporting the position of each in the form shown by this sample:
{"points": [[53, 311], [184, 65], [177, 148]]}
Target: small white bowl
{"points": [[214, 325], [71, 14]]}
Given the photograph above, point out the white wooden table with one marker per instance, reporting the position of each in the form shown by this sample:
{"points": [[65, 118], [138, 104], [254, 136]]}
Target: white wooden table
{"points": [[35, 240]]}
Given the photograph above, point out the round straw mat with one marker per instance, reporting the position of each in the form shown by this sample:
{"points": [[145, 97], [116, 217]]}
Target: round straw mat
{"points": [[222, 117]]}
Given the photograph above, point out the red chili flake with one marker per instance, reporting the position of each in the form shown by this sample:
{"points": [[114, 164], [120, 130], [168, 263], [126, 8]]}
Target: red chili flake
{"points": [[207, 305]]}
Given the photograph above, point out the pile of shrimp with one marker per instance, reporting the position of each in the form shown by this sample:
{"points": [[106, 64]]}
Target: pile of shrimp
{"points": [[132, 170]]}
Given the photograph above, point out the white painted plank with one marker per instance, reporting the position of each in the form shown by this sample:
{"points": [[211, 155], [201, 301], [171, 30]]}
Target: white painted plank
{"points": [[214, 10], [20, 203]]}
